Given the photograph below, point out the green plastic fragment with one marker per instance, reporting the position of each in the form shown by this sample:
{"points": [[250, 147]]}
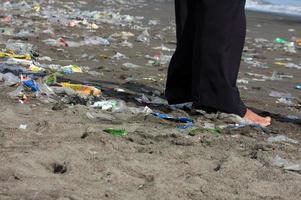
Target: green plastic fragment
{"points": [[280, 40], [50, 79], [194, 131], [116, 132]]}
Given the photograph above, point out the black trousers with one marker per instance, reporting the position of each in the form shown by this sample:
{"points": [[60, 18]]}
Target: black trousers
{"points": [[205, 66], [181, 7]]}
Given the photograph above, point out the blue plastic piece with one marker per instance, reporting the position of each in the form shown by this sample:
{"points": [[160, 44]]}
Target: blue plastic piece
{"points": [[31, 85]]}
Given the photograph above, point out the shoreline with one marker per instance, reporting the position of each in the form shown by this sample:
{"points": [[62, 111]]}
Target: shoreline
{"points": [[294, 16], [275, 15]]}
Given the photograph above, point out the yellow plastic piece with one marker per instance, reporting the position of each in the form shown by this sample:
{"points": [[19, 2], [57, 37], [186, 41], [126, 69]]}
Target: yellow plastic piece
{"points": [[84, 89], [35, 68], [13, 55]]}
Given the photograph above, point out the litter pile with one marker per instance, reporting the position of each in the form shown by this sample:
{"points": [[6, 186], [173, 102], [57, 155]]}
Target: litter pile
{"points": [[72, 54]]}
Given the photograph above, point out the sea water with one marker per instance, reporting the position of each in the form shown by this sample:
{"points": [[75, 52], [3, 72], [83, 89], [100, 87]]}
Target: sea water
{"points": [[288, 7]]}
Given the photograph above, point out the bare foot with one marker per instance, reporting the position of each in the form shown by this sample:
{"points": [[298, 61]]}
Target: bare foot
{"points": [[262, 121]]}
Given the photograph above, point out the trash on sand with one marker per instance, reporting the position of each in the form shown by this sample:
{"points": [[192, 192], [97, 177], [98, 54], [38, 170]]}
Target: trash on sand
{"points": [[70, 69], [30, 86], [280, 40], [280, 94], [210, 127], [143, 99], [23, 126], [9, 79], [84, 89], [116, 132], [287, 101], [286, 165], [171, 118], [90, 41], [105, 105], [288, 65], [126, 43], [194, 130], [187, 126], [158, 59], [95, 40], [287, 46], [100, 116], [188, 122], [144, 37], [131, 65], [293, 117], [123, 35], [120, 106], [119, 56], [164, 48], [282, 138], [13, 55], [35, 69], [183, 106], [143, 110]]}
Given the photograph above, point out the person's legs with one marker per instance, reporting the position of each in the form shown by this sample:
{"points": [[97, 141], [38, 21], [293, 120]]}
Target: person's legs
{"points": [[181, 7], [178, 86], [219, 40]]}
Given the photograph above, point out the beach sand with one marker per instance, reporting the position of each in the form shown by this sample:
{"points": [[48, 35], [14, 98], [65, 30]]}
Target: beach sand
{"points": [[64, 155]]}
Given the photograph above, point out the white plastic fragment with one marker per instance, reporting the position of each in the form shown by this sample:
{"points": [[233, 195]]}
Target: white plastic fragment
{"points": [[282, 138], [285, 164], [23, 126], [131, 65]]}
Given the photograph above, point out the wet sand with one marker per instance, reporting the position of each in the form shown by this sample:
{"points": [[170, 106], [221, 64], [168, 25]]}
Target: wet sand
{"points": [[62, 154]]}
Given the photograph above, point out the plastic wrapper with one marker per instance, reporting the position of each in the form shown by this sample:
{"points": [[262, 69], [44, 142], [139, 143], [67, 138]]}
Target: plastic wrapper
{"points": [[286, 164], [10, 79], [282, 138], [144, 37]]}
